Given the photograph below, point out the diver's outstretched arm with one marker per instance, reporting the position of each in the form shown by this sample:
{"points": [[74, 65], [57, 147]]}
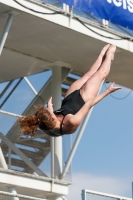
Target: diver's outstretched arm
{"points": [[109, 90], [76, 119]]}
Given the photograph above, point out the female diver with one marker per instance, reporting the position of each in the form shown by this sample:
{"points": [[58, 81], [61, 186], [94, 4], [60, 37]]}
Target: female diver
{"points": [[80, 97]]}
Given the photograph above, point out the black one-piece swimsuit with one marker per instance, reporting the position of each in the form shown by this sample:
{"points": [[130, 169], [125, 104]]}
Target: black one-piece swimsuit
{"points": [[70, 105]]}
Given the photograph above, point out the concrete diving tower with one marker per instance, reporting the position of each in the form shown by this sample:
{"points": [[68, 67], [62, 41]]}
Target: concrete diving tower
{"points": [[34, 41]]}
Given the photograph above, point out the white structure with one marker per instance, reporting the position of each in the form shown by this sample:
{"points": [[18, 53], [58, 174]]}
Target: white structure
{"points": [[37, 37]]}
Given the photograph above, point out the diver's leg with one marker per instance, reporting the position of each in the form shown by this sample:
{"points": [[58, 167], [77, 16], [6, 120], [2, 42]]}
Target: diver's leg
{"points": [[91, 86], [78, 83]]}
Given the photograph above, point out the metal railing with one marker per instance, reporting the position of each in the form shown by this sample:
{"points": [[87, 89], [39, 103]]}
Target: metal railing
{"points": [[93, 195], [79, 13], [8, 195]]}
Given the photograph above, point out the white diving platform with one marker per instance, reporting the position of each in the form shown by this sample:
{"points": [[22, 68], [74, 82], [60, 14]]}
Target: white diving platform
{"points": [[32, 185]]}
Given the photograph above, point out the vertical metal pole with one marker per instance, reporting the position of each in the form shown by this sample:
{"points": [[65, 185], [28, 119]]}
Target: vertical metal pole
{"points": [[132, 190], [5, 32], [56, 95], [83, 195], [4, 166], [2, 160], [9, 157], [77, 140], [52, 156]]}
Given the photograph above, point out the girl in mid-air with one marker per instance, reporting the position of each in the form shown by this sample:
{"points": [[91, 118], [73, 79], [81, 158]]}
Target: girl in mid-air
{"points": [[80, 97]]}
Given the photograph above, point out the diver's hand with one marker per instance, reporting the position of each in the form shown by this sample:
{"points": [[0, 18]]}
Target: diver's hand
{"points": [[111, 88], [50, 104]]}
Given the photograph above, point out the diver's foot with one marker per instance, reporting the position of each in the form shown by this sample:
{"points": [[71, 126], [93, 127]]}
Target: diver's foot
{"points": [[104, 50], [111, 51]]}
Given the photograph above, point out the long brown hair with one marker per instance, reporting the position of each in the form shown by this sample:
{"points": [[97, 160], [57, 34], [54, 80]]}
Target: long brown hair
{"points": [[42, 119]]}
